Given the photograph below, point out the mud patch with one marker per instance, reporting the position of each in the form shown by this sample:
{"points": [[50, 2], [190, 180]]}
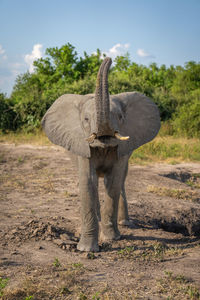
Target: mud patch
{"points": [[37, 230], [191, 179]]}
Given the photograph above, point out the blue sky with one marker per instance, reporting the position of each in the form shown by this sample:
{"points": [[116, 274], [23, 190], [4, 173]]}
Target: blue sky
{"points": [[162, 31]]}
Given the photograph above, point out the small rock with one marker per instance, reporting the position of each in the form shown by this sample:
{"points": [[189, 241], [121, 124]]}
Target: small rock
{"points": [[58, 242], [69, 242], [30, 222], [64, 237], [35, 232], [22, 227], [77, 234]]}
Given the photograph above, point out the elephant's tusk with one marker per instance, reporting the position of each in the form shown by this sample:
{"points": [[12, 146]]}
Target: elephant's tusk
{"points": [[91, 138], [120, 137]]}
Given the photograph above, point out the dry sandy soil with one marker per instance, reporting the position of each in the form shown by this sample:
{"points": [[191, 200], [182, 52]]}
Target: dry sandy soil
{"points": [[158, 256]]}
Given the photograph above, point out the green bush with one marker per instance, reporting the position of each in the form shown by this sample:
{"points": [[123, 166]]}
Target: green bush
{"points": [[8, 116], [186, 121]]}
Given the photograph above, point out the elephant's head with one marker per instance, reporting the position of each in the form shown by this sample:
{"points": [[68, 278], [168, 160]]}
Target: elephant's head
{"points": [[125, 121]]}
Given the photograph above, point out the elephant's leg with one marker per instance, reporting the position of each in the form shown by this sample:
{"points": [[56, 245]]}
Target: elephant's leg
{"points": [[113, 184], [88, 185], [123, 218]]}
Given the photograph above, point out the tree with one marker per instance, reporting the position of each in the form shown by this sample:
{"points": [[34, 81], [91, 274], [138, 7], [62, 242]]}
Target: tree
{"points": [[122, 63], [7, 114], [186, 120]]}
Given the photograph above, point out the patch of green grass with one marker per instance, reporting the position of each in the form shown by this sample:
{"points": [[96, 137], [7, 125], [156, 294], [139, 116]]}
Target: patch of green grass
{"points": [[167, 149], [174, 193], [82, 296], [3, 284], [126, 251], [194, 181], [177, 287], [155, 252], [20, 159], [56, 263], [96, 296], [77, 266], [35, 138]]}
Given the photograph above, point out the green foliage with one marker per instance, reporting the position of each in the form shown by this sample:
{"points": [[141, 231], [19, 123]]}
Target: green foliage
{"points": [[7, 114], [168, 149], [186, 120], [122, 63], [56, 263], [3, 284], [176, 90]]}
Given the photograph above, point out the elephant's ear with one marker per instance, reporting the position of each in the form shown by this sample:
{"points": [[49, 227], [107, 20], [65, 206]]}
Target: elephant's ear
{"points": [[62, 125], [141, 121]]}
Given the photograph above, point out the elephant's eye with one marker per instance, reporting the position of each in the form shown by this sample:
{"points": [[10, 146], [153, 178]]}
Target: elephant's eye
{"points": [[86, 119]]}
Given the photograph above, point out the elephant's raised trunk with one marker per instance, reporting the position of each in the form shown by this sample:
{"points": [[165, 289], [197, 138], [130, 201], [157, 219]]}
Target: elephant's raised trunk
{"points": [[102, 104], [102, 101]]}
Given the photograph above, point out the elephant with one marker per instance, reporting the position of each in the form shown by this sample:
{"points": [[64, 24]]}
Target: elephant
{"points": [[102, 130]]}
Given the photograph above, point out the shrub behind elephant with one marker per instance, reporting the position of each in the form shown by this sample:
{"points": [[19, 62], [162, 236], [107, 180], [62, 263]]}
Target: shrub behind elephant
{"points": [[102, 130]]}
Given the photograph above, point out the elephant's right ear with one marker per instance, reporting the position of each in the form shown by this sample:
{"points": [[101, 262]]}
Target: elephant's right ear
{"points": [[62, 125]]}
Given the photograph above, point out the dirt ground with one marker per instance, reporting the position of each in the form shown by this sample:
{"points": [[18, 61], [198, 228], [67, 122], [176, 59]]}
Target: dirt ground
{"points": [[158, 256]]}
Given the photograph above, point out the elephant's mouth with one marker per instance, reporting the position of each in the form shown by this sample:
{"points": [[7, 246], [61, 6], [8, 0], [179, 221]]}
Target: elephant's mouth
{"points": [[105, 140]]}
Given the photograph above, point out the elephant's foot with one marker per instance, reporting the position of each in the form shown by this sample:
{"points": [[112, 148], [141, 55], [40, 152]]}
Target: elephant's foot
{"points": [[109, 234], [88, 245], [124, 222]]}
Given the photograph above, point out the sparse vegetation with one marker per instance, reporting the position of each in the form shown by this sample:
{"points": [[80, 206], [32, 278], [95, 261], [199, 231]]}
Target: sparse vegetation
{"points": [[174, 193], [155, 252], [177, 287], [194, 181], [167, 149], [56, 263], [3, 284]]}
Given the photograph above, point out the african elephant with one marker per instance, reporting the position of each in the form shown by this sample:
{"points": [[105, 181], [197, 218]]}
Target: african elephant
{"points": [[102, 131]]}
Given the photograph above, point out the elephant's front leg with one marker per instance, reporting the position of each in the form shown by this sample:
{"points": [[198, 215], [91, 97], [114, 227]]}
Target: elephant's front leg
{"points": [[123, 217], [113, 183], [88, 184]]}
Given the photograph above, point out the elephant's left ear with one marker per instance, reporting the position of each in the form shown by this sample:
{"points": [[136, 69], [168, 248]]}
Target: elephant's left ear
{"points": [[141, 121], [62, 125]]}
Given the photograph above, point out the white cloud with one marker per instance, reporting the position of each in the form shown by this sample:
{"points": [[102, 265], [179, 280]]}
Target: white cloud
{"points": [[35, 54], [143, 53], [117, 50], [2, 51]]}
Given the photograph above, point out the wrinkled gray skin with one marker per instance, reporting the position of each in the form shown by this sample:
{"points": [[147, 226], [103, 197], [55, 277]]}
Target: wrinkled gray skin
{"points": [[87, 126]]}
